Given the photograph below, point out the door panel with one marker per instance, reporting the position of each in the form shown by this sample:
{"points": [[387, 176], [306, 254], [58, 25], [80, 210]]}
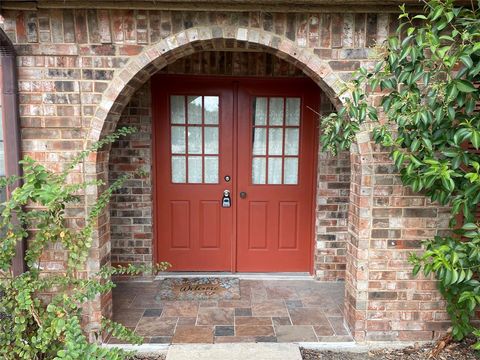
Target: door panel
{"points": [[261, 134], [288, 225], [180, 224], [210, 224], [257, 225], [193, 153], [276, 171]]}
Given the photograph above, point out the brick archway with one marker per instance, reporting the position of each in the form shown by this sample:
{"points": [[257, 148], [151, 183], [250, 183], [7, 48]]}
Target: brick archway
{"points": [[153, 58], [142, 66]]}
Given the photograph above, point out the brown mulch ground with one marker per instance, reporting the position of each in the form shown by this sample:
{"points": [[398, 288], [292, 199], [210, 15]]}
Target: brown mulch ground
{"points": [[454, 351]]}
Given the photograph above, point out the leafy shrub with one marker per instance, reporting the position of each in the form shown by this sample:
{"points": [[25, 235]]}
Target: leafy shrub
{"points": [[30, 327], [428, 74]]}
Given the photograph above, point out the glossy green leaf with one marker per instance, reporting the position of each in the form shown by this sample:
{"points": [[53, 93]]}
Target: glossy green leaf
{"points": [[464, 86], [432, 128], [475, 139]]}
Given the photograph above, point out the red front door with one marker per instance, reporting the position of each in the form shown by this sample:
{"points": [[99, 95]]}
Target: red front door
{"points": [[276, 175], [194, 151], [254, 139]]}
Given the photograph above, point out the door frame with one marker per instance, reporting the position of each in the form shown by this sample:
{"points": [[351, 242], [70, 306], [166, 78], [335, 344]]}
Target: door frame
{"points": [[234, 83]]}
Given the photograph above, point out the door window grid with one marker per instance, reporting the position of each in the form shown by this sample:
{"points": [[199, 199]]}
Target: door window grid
{"points": [[275, 140], [194, 137]]}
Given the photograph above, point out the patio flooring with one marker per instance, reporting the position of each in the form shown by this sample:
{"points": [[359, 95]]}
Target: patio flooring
{"points": [[267, 311]]}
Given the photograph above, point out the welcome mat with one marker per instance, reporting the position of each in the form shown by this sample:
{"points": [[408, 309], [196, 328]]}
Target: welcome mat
{"points": [[199, 289]]}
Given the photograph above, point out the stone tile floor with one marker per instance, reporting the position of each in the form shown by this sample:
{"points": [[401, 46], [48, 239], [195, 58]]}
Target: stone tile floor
{"points": [[268, 311]]}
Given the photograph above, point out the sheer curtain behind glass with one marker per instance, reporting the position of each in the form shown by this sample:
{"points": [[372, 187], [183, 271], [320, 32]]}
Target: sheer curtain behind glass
{"points": [[194, 139], [275, 145]]}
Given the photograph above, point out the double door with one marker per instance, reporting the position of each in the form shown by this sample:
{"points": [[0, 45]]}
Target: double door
{"points": [[234, 163]]}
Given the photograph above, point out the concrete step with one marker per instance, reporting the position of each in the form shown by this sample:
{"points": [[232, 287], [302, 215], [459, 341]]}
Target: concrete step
{"points": [[246, 351]]}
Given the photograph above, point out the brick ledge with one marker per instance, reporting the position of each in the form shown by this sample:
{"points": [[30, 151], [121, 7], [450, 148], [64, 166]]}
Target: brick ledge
{"points": [[325, 6]]}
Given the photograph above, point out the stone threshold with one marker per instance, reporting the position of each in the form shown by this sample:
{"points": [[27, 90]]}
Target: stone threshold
{"points": [[241, 276]]}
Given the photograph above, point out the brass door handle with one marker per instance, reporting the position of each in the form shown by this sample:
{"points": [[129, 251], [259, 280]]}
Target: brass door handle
{"points": [[243, 194]]}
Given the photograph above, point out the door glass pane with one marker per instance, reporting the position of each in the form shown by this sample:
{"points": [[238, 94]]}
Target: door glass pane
{"points": [[260, 116], [292, 111], [177, 109], [178, 169], [275, 170], [291, 141], [259, 170], [194, 109], [211, 140], [290, 175], [276, 111], [195, 169], [211, 169], [259, 141], [178, 139], [194, 140], [275, 141], [211, 109]]}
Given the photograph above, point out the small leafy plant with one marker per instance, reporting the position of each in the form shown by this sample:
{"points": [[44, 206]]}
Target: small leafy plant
{"points": [[427, 80], [41, 312]]}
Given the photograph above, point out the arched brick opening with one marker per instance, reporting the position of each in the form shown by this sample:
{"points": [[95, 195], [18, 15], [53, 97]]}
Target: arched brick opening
{"points": [[131, 208], [141, 67]]}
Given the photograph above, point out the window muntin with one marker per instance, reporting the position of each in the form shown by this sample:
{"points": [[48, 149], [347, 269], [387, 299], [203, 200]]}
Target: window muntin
{"points": [[194, 139], [276, 140]]}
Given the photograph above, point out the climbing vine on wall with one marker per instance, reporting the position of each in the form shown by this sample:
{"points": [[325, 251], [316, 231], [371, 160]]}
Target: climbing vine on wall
{"points": [[40, 311], [427, 77]]}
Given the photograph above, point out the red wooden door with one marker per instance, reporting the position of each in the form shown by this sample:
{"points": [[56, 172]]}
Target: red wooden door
{"points": [[193, 152], [276, 167], [261, 134]]}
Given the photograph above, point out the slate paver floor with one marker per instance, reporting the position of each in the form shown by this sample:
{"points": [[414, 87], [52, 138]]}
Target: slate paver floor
{"points": [[268, 311]]}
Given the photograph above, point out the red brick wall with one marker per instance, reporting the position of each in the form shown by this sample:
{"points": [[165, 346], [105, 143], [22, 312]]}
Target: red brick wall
{"points": [[333, 192], [234, 63], [131, 206], [78, 69]]}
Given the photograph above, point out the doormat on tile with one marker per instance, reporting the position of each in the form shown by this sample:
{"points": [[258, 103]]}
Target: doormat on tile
{"points": [[199, 289]]}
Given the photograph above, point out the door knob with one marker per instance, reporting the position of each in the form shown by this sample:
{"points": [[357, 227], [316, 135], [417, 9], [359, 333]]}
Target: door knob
{"points": [[243, 195]]}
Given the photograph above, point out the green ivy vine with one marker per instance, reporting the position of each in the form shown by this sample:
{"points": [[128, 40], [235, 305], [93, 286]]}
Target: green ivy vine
{"points": [[32, 327], [427, 78]]}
